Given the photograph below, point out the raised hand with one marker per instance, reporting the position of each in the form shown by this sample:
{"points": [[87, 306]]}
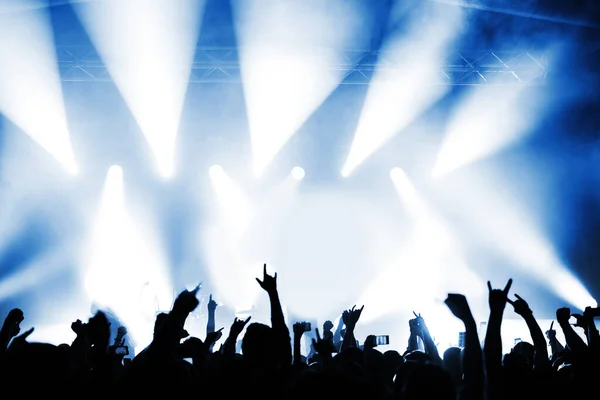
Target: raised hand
{"points": [[298, 328], [352, 315], [563, 315], [370, 342], [187, 300], [212, 305], [458, 305], [78, 327], [580, 321], [22, 338], [238, 326], [269, 283], [213, 337], [498, 297], [323, 347], [121, 331], [12, 322], [520, 306], [551, 333]]}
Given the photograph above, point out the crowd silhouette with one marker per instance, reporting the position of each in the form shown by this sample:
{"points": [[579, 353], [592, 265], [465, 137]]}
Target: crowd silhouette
{"points": [[270, 364]]}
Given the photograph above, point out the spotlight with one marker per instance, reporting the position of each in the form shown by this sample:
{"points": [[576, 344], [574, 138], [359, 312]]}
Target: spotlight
{"points": [[298, 173], [397, 173], [215, 171], [116, 171]]}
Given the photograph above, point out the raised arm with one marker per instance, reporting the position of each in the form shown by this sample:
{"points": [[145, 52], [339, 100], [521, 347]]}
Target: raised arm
{"points": [[574, 342], [10, 328], [211, 308], [492, 350], [540, 347], [350, 317], [414, 341], [282, 334], [236, 329], [472, 388], [555, 346], [429, 344], [298, 329], [337, 335], [166, 340]]}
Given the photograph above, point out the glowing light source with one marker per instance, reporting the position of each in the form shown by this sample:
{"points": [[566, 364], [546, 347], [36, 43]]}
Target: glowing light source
{"points": [[30, 90], [215, 171], [125, 261], [298, 173], [148, 47], [398, 95], [287, 48]]}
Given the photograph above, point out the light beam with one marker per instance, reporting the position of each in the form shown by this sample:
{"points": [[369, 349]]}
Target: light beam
{"points": [[30, 89], [148, 47]]}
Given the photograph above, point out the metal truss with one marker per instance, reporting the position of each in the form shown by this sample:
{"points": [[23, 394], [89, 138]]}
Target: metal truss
{"points": [[222, 65]]}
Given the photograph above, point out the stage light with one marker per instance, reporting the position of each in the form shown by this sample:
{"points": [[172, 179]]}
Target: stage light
{"points": [[401, 88], [215, 171], [148, 47], [287, 49], [30, 89], [126, 260], [298, 173]]}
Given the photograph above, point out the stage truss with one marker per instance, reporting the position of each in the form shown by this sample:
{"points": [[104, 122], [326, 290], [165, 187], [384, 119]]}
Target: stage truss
{"points": [[222, 65]]}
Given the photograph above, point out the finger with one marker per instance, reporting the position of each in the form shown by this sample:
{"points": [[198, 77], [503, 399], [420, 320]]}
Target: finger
{"points": [[489, 286], [508, 285], [275, 276], [415, 314], [247, 319], [362, 308], [25, 334], [317, 333], [210, 297], [259, 282], [512, 303], [518, 297], [265, 269], [220, 330], [551, 325]]}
